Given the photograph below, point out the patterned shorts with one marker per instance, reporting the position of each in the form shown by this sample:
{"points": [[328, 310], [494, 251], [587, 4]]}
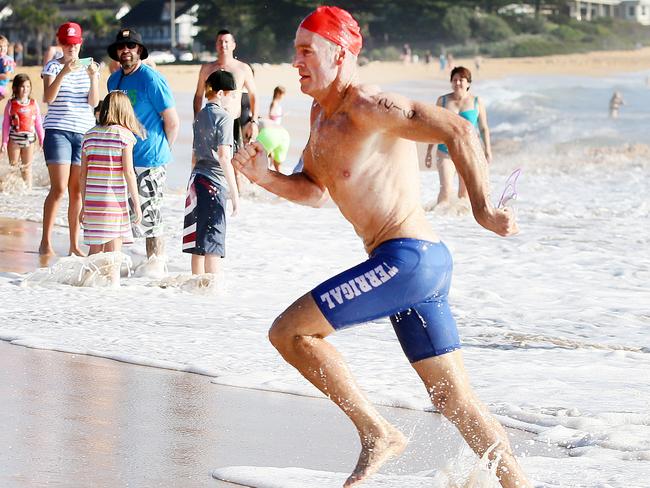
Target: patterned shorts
{"points": [[151, 183], [22, 139]]}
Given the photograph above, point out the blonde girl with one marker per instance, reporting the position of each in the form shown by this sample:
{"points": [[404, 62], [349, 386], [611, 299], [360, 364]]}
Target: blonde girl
{"points": [[21, 126], [108, 177]]}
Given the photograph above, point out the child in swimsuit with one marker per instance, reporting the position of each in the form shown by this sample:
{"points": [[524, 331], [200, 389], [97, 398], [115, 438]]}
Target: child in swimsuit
{"points": [[471, 108], [21, 125], [7, 66], [275, 110]]}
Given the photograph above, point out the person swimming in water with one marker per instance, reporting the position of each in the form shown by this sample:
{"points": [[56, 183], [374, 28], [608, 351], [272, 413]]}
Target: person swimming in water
{"points": [[463, 102], [361, 153]]}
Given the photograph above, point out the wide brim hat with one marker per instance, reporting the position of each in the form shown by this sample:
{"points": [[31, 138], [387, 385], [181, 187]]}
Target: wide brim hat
{"points": [[124, 36]]}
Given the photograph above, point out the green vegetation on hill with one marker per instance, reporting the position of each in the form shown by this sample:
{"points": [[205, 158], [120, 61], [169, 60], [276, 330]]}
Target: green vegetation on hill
{"points": [[265, 29]]}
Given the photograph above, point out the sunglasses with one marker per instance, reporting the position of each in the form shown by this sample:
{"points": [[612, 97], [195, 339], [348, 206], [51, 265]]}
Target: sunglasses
{"points": [[126, 45], [510, 191]]}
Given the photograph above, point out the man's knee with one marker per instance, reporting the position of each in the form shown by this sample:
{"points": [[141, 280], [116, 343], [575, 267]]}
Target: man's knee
{"points": [[280, 333]]}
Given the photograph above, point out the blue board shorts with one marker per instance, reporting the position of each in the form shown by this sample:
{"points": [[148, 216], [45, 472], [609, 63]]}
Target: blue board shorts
{"points": [[405, 279], [204, 229]]}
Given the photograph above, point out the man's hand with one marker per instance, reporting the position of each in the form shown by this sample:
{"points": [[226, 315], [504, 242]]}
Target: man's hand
{"points": [[251, 130], [502, 221], [252, 161]]}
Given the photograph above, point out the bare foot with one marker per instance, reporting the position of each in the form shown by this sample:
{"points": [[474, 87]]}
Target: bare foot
{"points": [[45, 250], [77, 252], [375, 451]]}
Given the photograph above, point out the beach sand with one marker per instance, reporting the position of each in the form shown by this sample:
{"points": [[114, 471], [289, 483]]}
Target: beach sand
{"points": [[182, 78], [81, 418], [76, 421]]}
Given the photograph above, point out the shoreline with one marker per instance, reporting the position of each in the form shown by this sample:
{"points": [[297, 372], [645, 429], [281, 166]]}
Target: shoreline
{"points": [[191, 426], [182, 78]]}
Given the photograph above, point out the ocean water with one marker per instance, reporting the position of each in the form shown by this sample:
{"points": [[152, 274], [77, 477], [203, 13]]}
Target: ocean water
{"points": [[554, 321]]}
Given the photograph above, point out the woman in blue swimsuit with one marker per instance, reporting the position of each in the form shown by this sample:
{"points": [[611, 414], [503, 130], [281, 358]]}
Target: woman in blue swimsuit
{"points": [[470, 107]]}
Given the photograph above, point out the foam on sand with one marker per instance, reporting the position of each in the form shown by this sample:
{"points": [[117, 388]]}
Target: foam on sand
{"points": [[98, 270]]}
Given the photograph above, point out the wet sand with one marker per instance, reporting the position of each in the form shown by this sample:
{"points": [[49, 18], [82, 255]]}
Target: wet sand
{"points": [[77, 421], [19, 240]]}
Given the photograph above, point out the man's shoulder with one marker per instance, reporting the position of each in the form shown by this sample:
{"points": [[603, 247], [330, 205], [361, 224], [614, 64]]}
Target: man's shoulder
{"points": [[209, 68], [363, 98]]}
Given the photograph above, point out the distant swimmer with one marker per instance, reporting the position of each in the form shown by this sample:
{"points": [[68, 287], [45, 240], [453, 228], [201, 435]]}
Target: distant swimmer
{"points": [[615, 104], [463, 102], [361, 153]]}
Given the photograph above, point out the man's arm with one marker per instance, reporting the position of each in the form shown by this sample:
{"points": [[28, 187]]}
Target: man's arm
{"points": [[170, 124], [197, 103], [416, 121], [298, 188], [252, 130]]}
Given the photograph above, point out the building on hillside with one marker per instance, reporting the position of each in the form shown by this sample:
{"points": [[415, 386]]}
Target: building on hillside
{"points": [[152, 19], [99, 30], [633, 10], [638, 10]]}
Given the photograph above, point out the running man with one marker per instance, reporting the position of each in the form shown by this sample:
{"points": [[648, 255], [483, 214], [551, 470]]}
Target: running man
{"points": [[361, 153]]}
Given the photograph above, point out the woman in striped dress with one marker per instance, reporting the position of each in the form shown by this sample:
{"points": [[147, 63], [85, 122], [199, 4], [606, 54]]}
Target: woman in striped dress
{"points": [[106, 175], [71, 91]]}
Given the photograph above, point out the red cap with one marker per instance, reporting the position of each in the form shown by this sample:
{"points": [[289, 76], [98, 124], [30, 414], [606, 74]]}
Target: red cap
{"points": [[336, 25], [69, 33]]}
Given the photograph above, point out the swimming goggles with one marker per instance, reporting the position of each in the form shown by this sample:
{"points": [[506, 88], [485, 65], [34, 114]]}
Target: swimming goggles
{"points": [[510, 191]]}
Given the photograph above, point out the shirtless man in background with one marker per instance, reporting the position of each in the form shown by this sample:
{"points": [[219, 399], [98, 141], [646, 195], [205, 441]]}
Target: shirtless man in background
{"points": [[225, 45], [361, 153]]}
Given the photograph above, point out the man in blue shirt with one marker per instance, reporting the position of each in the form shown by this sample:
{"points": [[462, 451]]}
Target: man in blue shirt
{"points": [[154, 106]]}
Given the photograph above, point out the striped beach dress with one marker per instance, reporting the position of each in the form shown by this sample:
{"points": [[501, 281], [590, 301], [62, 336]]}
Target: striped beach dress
{"points": [[106, 209]]}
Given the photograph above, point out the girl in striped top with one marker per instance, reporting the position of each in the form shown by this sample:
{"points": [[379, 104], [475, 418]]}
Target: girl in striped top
{"points": [[106, 175], [71, 90]]}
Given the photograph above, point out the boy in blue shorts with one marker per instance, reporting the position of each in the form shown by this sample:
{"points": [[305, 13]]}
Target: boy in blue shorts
{"points": [[204, 234]]}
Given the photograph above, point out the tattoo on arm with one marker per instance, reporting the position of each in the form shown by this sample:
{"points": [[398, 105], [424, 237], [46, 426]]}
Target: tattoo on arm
{"points": [[390, 105]]}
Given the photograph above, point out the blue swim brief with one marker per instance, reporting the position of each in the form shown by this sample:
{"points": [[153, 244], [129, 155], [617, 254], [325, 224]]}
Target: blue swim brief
{"points": [[406, 279]]}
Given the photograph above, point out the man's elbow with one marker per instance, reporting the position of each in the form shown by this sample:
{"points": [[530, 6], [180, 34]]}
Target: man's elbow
{"points": [[319, 199]]}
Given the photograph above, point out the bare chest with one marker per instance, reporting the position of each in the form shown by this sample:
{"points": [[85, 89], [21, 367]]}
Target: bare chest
{"points": [[336, 149]]}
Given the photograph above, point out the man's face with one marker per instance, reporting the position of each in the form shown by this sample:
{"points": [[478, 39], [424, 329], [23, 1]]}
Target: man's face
{"points": [[129, 54], [225, 44], [315, 59]]}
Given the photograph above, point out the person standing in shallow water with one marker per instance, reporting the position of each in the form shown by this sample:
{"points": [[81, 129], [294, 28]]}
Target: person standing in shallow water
{"points": [[361, 153], [155, 108], [463, 102], [70, 90]]}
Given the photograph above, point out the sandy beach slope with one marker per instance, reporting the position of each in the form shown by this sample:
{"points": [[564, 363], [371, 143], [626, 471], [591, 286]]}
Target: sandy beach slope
{"points": [[182, 78]]}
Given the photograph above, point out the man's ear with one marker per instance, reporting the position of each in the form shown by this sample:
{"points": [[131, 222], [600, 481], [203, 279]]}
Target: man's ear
{"points": [[340, 55]]}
